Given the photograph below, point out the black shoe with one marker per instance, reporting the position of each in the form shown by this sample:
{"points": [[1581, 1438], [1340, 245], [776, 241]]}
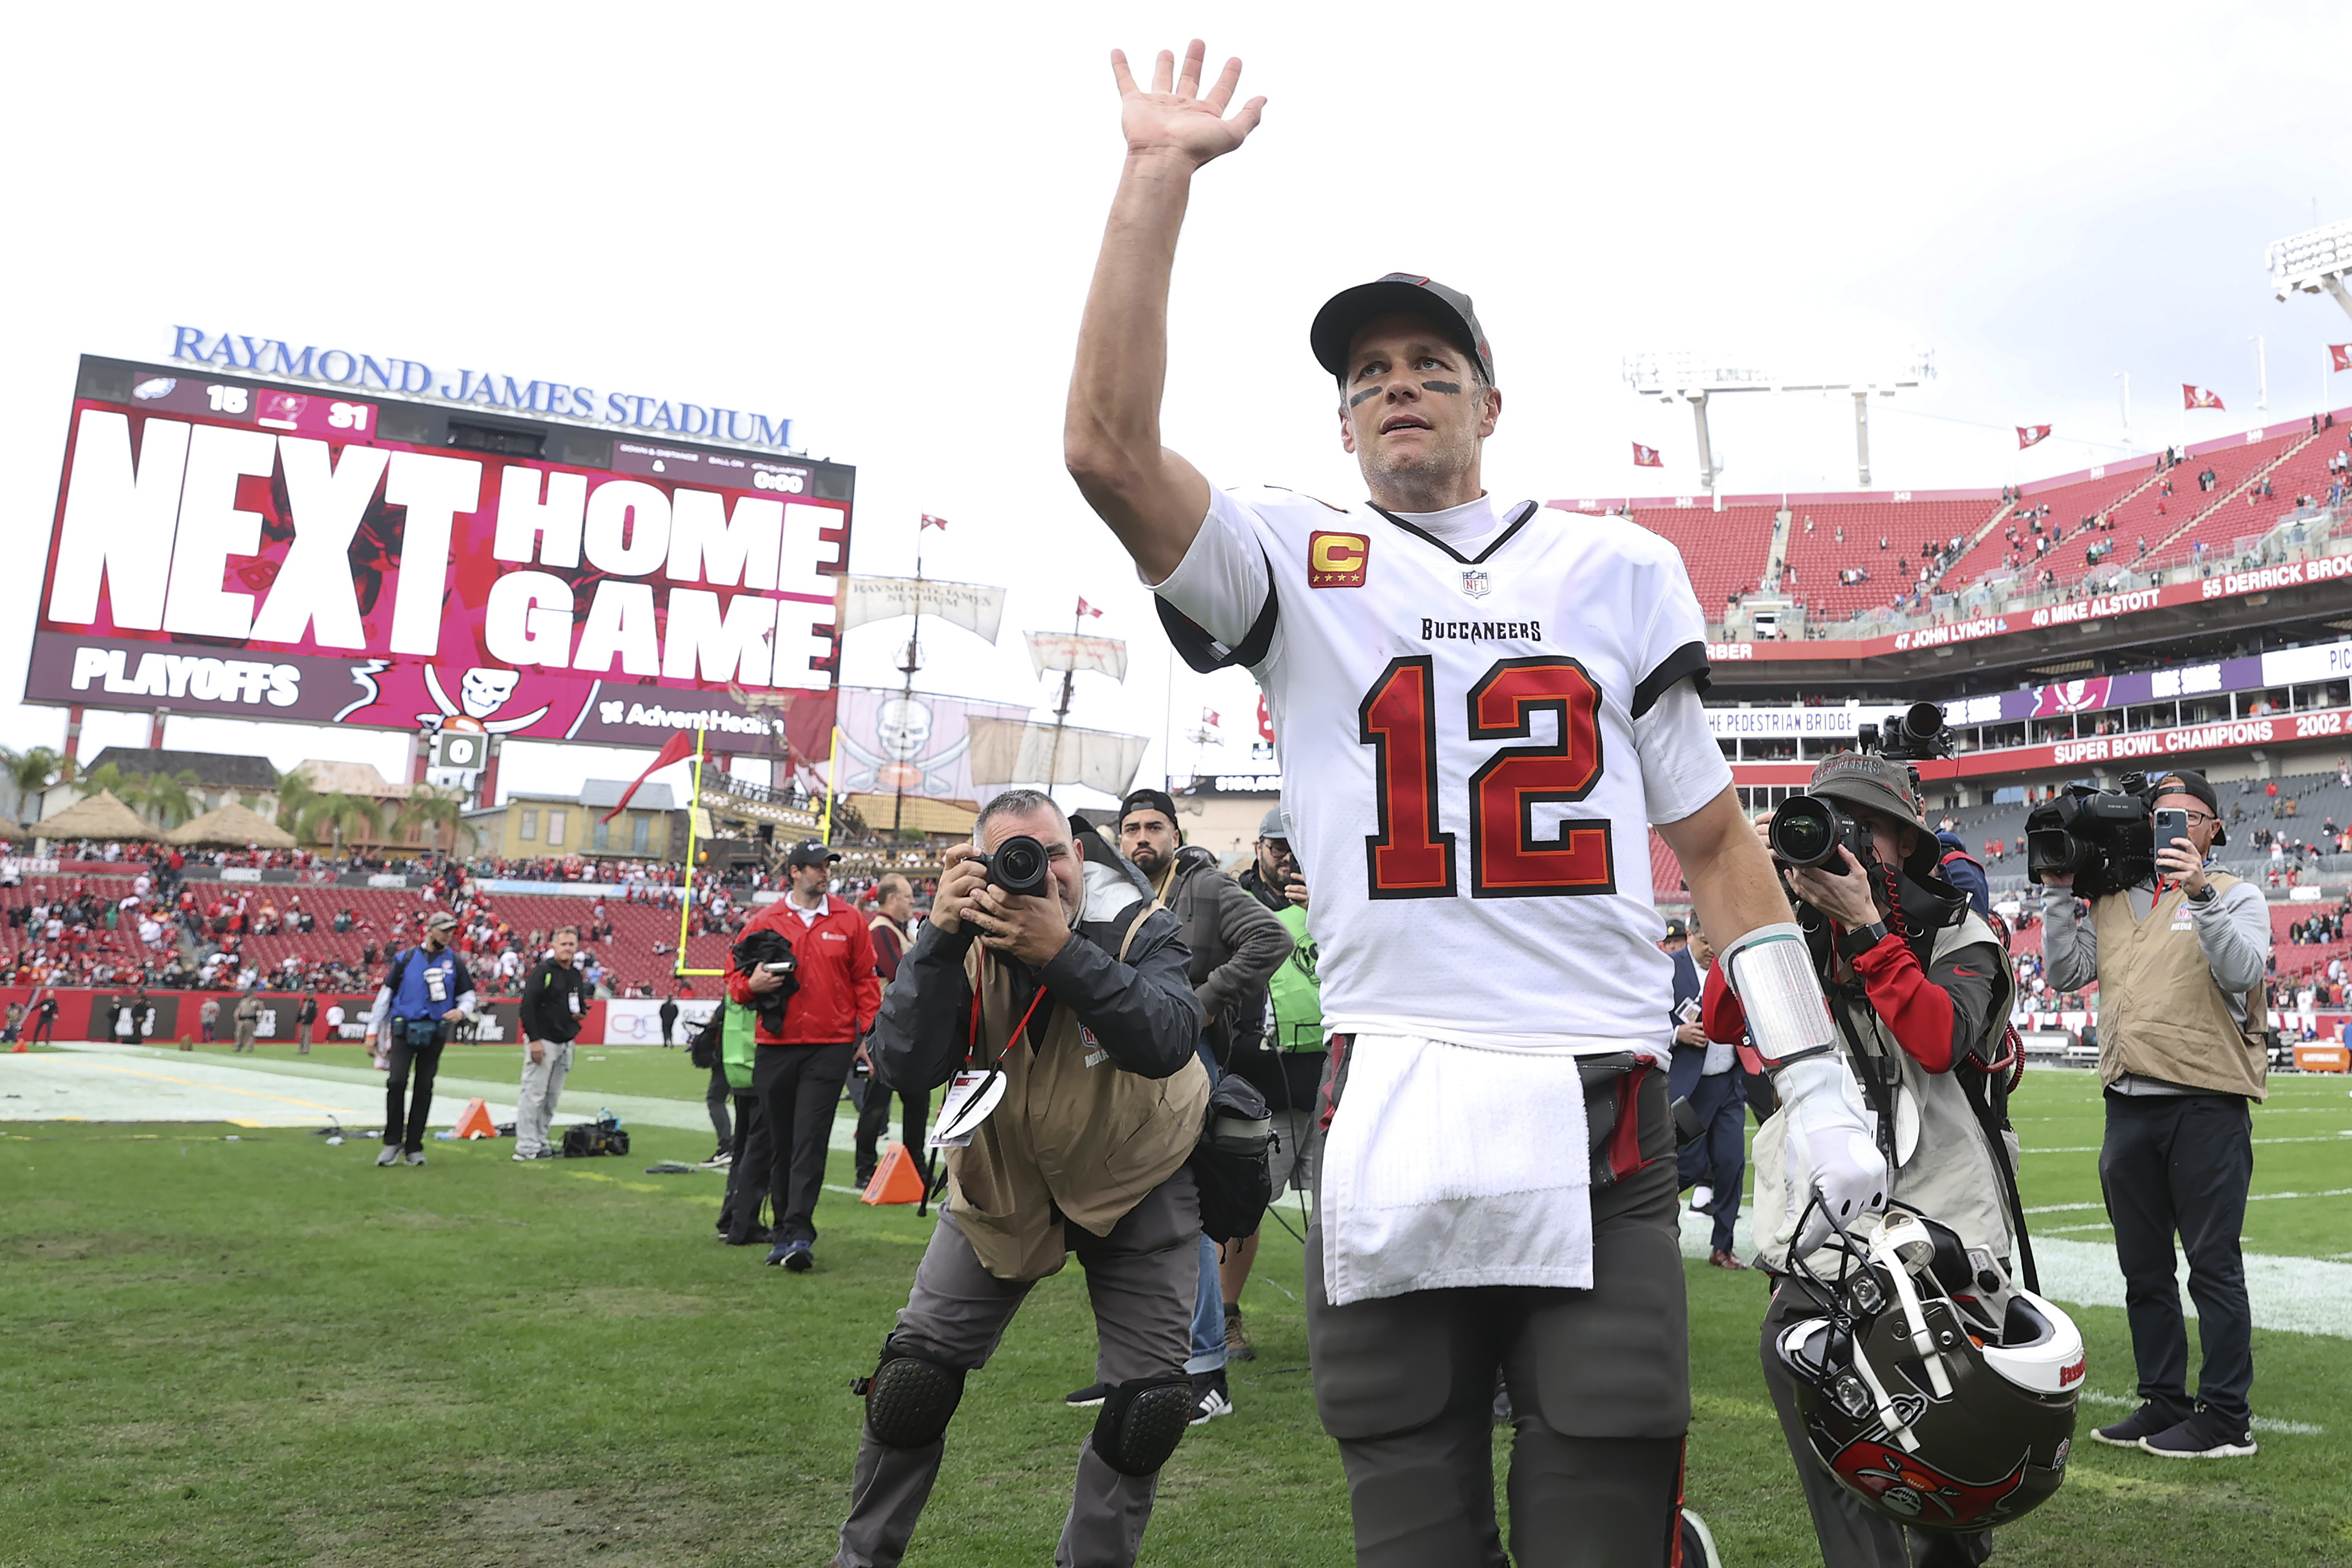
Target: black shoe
{"points": [[865, 1178], [1210, 1398], [756, 1237], [2144, 1422], [799, 1256], [1087, 1398], [2204, 1436]]}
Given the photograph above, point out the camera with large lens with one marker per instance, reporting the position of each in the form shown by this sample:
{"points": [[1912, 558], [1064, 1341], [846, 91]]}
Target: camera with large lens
{"points": [[1018, 866], [1918, 735], [2100, 837], [1809, 829]]}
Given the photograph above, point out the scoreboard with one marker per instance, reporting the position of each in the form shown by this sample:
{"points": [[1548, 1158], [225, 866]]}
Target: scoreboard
{"points": [[241, 548]]}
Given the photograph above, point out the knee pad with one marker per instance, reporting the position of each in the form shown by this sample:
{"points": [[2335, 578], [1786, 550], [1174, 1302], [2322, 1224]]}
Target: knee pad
{"points": [[910, 1398], [1142, 1423]]}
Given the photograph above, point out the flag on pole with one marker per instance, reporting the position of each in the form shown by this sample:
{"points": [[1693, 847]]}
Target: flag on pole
{"points": [[676, 749], [1087, 609], [1647, 457], [2199, 396], [930, 521], [2342, 355], [1210, 716], [2031, 435]]}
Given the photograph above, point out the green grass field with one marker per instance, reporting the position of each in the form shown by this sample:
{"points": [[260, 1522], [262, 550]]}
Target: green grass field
{"points": [[268, 1351]]}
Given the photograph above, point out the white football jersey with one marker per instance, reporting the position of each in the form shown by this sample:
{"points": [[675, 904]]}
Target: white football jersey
{"points": [[1474, 747]]}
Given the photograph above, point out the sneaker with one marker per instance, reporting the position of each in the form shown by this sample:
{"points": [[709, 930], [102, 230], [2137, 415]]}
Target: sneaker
{"points": [[416, 1156], [724, 1157], [2144, 1422], [1210, 1398], [544, 1154], [1087, 1398], [522, 1159], [2204, 1436], [1698, 1542], [799, 1256], [391, 1155], [863, 1179], [1237, 1345]]}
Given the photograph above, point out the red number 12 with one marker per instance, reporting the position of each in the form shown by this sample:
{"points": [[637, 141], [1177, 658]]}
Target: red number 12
{"points": [[1410, 858]]}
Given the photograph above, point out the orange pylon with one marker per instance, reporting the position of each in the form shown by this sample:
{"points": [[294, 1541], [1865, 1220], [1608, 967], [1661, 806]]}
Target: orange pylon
{"points": [[475, 1121], [896, 1180]]}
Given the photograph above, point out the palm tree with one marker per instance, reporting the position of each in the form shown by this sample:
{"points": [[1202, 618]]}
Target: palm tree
{"points": [[164, 798], [335, 816], [436, 810], [295, 796], [31, 771], [108, 776]]}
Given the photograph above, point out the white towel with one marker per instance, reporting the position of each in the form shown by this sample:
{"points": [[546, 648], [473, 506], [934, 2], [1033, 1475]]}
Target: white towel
{"points": [[1451, 1165]]}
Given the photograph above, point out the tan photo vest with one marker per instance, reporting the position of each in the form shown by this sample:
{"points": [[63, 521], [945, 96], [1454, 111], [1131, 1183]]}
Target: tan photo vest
{"points": [[1074, 1139], [2160, 1014]]}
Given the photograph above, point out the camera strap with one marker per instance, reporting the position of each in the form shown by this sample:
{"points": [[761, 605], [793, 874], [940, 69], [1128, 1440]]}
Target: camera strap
{"points": [[1871, 1071]]}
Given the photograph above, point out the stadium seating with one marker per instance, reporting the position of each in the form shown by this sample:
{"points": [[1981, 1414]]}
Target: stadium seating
{"points": [[1817, 557], [1725, 552]]}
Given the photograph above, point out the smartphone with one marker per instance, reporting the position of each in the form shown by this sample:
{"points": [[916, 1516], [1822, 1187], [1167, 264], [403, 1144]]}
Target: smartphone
{"points": [[2170, 824]]}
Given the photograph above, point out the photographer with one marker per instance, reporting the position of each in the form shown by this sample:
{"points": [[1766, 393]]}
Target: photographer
{"points": [[811, 980], [2180, 967], [1919, 989], [1074, 1004], [426, 993]]}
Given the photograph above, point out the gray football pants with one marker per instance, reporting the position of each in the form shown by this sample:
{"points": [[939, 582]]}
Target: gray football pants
{"points": [[1851, 1535], [1141, 1278], [1600, 1380]]}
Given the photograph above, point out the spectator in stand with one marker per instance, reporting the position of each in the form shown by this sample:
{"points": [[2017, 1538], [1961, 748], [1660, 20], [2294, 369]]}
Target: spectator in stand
{"points": [[553, 1003]]}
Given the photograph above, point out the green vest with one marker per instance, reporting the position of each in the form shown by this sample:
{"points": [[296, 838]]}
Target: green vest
{"points": [[1295, 990], [737, 1044]]}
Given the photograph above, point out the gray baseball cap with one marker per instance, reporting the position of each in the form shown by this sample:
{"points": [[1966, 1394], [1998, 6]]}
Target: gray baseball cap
{"points": [[1872, 783], [1399, 293], [1276, 824]]}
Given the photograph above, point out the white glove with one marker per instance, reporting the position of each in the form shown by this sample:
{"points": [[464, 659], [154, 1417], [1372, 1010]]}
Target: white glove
{"points": [[1831, 1148]]}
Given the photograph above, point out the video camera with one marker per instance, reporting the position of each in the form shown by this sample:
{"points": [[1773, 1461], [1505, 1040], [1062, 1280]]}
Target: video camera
{"points": [[1808, 830], [2102, 836]]}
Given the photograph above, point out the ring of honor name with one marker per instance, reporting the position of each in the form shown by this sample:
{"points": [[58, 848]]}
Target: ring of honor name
{"points": [[1433, 631]]}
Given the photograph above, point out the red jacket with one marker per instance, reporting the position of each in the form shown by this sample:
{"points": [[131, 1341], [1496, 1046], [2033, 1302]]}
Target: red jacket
{"points": [[839, 991]]}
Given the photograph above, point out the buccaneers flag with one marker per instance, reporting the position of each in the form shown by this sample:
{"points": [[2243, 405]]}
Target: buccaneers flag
{"points": [[2027, 434], [2199, 396], [930, 521], [1087, 609], [2342, 355], [1647, 457]]}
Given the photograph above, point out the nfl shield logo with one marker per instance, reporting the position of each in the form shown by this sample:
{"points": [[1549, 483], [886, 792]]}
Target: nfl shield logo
{"points": [[1475, 585]]}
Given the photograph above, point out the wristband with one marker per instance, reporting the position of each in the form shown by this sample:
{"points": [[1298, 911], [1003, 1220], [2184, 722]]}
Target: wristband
{"points": [[1771, 973], [1860, 939]]}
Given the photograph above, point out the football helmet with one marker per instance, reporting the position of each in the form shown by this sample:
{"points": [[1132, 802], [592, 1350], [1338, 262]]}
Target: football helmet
{"points": [[1935, 1391]]}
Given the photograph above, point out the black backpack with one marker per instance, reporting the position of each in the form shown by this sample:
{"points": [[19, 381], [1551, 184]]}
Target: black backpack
{"points": [[1232, 1165], [704, 1049]]}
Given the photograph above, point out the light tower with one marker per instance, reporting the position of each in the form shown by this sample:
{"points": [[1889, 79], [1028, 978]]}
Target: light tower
{"points": [[1694, 379], [2315, 260]]}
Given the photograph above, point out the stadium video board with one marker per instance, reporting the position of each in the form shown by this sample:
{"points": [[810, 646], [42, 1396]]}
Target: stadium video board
{"points": [[240, 548]]}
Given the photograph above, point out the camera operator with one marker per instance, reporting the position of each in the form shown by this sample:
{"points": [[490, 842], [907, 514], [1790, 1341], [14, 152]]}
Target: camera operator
{"points": [[1076, 1002], [1919, 988], [2179, 969], [816, 953]]}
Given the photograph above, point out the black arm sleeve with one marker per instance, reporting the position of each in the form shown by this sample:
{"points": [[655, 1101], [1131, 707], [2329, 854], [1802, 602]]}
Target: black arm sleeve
{"points": [[1142, 1012], [924, 1029]]}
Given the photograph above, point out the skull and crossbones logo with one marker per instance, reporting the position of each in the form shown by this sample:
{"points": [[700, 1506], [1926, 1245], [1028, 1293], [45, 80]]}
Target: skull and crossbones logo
{"points": [[481, 691]]}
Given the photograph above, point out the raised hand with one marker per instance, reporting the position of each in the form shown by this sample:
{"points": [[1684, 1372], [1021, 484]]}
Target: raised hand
{"points": [[1175, 117]]}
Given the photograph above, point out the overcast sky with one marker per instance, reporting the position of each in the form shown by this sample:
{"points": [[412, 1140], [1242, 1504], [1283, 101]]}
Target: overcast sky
{"points": [[880, 221]]}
